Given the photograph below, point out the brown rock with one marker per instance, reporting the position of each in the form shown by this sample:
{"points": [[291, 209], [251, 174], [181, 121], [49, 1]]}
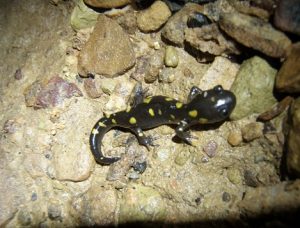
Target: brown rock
{"points": [[235, 138], [288, 77], [174, 29], [252, 131], [287, 16], [154, 17], [209, 39], [107, 3], [108, 51], [255, 33], [293, 155]]}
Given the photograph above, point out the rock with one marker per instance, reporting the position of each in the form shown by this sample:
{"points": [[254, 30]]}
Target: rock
{"points": [[83, 16], [250, 178], [221, 72], [141, 203], [51, 93], [128, 21], [91, 88], [107, 4], [235, 138], [247, 7], [288, 77], [156, 62], [234, 176], [252, 131], [209, 39], [174, 28], [182, 157], [270, 200], [253, 86], [255, 33], [287, 16], [55, 211], [210, 148], [108, 51], [293, 155], [154, 17], [171, 57], [167, 75]]}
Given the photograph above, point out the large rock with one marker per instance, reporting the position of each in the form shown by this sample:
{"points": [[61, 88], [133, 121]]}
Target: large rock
{"points": [[293, 155], [253, 88], [174, 28], [107, 3], [255, 33], [108, 51], [288, 77], [154, 17], [287, 16], [83, 16]]}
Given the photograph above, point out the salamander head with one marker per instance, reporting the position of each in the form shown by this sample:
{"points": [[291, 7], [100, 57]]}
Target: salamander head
{"points": [[212, 105]]}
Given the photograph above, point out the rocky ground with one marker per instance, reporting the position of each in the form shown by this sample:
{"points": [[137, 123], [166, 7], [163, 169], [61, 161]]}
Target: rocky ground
{"points": [[66, 63]]}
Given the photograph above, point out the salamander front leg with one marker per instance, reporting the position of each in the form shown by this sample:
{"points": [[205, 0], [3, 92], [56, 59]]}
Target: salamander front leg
{"points": [[138, 95], [183, 134], [194, 92]]}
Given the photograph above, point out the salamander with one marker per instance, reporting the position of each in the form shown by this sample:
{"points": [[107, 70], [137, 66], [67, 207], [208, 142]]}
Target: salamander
{"points": [[203, 107]]}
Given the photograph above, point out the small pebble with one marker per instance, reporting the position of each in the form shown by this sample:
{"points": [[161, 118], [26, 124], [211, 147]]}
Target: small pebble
{"points": [[171, 57], [18, 74], [250, 178], [234, 176], [167, 75], [235, 138], [211, 148], [252, 131], [182, 157], [226, 197]]}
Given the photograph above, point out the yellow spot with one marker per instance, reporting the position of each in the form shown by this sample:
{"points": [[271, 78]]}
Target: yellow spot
{"points": [[147, 100], [172, 117], [141, 134], [179, 105], [193, 113], [113, 121], [159, 112], [213, 99], [95, 131], [132, 120], [101, 124], [169, 99], [151, 112], [107, 115], [203, 120], [128, 109]]}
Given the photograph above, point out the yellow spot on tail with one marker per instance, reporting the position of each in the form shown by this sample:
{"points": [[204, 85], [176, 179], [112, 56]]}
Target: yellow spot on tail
{"points": [[193, 113], [203, 120], [132, 120], [179, 105], [151, 112], [172, 117], [169, 99], [159, 112], [113, 121], [147, 100], [213, 99], [95, 131], [128, 109], [101, 124]]}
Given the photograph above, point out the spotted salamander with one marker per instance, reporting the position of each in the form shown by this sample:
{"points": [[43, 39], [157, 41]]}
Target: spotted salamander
{"points": [[203, 107]]}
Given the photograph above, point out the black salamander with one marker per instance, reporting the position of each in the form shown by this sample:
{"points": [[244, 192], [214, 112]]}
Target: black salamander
{"points": [[203, 107]]}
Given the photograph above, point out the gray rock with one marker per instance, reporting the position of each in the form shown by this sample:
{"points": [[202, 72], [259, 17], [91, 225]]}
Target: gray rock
{"points": [[288, 77], [293, 155], [253, 88], [287, 16], [255, 33], [174, 29], [107, 3], [108, 51]]}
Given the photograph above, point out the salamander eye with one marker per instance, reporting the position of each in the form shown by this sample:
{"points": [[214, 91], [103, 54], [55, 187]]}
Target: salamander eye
{"points": [[218, 88], [224, 112]]}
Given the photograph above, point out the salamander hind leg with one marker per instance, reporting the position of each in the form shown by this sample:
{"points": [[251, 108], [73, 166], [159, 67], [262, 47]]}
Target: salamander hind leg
{"points": [[144, 140], [194, 92]]}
